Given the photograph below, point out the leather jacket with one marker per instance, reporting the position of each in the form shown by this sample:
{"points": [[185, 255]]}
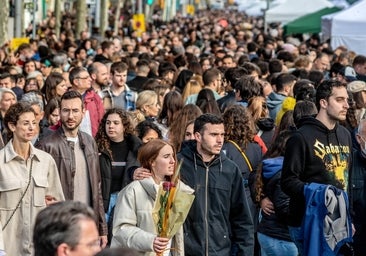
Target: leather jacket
{"points": [[57, 145]]}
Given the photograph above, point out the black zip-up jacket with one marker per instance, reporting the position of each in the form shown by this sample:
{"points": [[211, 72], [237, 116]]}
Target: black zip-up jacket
{"points": [[220, 214]]}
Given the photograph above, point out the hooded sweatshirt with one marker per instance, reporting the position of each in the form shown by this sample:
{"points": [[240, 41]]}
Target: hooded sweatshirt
{"points": [[265, 128], [274, 225], [314, 153], [274, 103]]}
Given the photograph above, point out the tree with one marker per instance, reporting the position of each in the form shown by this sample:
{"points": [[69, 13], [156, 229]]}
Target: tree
{"points": [[103, 17], [4, 14], [117, 16], [58, 17], [81, 17]]}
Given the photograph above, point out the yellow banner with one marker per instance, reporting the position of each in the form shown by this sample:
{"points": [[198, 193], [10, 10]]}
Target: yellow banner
{"points": [[139, 23], [190, 9], [16, 42]]}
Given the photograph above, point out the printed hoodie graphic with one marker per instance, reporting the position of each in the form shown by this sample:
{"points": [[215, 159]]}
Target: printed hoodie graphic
{"points": [[314, 154]]}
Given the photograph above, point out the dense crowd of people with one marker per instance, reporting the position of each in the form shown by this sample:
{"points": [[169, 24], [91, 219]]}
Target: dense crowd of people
{"points": [[266, 126]]}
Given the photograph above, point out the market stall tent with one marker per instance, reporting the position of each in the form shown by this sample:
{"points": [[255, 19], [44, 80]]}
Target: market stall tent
{"points": [[293, 9], [349, 28], [310, 23]]}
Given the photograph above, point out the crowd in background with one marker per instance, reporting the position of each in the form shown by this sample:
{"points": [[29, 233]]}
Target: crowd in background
{"points": [[261, 83]]}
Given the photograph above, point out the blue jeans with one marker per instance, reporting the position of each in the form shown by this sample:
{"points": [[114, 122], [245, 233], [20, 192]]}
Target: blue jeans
{"points": [[297, 237], [275, 247], [112, 203]]}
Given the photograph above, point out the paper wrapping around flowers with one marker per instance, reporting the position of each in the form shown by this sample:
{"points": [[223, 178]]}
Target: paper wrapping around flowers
{"points": [[178, 213]]}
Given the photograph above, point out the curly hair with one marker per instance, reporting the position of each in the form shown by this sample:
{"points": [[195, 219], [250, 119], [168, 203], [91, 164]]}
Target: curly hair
{"points": [[13, 114], [102, 138], [239, 125], [144, 127]]}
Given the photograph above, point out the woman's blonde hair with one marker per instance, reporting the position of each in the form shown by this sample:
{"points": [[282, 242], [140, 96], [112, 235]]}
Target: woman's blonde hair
{"points": [[257, 106], [194, 86], [146, 98]]}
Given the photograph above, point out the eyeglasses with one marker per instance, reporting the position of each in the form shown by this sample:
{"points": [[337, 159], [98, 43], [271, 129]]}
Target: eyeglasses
{"points": [[87, 77], [93, 244]]}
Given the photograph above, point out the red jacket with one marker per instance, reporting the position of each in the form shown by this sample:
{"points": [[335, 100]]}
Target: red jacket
{"points": [[94, 104]]}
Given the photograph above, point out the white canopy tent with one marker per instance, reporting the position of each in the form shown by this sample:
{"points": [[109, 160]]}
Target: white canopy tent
{"points": [[256, 8], [293, 9], [349, 28]]}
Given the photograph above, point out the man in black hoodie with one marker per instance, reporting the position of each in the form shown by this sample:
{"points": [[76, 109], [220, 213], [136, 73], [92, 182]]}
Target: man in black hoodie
{"points": [[319, 151]]}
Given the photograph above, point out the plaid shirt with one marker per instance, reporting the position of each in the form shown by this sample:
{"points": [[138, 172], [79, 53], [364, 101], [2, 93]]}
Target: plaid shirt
{"points": [[130, 97]]}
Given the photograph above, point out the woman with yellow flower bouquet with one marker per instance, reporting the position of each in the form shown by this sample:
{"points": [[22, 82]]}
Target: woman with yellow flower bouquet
{"points": [[161, 195]]}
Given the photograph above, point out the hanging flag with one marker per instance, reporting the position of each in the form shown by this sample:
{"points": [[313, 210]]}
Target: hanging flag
{"points": [[139, 23], [190, 9]]}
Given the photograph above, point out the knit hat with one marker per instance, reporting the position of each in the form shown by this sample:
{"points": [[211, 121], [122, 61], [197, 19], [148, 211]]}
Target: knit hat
{"points": [[287, 104], [356, 86]]}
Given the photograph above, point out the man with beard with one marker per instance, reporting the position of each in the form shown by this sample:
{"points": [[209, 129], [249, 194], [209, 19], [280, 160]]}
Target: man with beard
{"points": [[100, 77], [220, 215], [94, 110], [318, 152], [119, 95], [76, 156]]}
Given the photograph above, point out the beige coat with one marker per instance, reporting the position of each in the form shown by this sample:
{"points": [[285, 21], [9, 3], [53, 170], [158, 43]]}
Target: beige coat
{"points": [[14, 177], [133, 225]]}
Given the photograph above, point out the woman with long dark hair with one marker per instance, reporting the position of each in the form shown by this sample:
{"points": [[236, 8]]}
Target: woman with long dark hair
{"points": [[207, 103]]}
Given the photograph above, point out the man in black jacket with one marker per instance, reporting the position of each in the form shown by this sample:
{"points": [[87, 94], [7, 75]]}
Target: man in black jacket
{"points": [[219, 216]]}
